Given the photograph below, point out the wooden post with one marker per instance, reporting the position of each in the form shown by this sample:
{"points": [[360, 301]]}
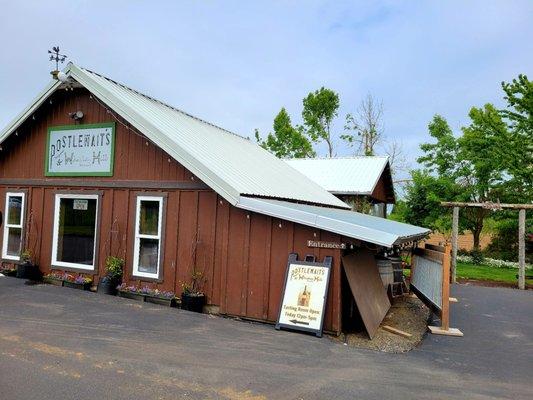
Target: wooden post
{"points": [[455, 235], [445, 329], [445, 317], [522, 249]]}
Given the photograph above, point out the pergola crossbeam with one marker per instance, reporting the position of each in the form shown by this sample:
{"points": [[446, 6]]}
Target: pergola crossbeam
{"points": [[495, 207]]}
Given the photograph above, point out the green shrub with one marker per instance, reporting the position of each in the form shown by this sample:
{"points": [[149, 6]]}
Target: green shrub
{"points": [[113, 266], [477, 257]]}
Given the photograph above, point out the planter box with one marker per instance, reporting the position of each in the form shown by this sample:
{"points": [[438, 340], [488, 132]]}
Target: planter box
{"points": [[52, 281], [161, 301], [9, 272], [74, 285], [130, 295], [149, 299]]}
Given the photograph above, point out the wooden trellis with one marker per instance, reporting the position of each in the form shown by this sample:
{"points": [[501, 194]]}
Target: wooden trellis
{"points": [[495, 207]]}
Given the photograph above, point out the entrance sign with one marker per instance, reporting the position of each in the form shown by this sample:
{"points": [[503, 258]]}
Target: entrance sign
{"points": [[304, 295], [80, 150], [325, 245]]}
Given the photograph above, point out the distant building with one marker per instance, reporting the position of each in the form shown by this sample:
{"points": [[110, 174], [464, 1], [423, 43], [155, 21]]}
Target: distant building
{"points": [[365, 182]]}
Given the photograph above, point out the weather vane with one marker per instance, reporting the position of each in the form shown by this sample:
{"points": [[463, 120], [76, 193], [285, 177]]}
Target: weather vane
{"points": [[58, 58]]}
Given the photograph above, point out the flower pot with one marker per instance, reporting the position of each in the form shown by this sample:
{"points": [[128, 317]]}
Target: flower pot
{"points": [[161, 300], [193, 302], [74, 285], [27, 271], [108, 285], [131, 295], [53, 281]]}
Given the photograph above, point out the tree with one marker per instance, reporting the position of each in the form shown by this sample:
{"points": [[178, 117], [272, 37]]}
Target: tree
{"points": [[319, 110], [397, 159], [476, 163], [422, 201], [519, 118], [365, 127], [286, 141]]}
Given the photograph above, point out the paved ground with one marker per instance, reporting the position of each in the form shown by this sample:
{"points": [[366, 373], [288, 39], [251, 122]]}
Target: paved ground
{"points": [[59, 343]]}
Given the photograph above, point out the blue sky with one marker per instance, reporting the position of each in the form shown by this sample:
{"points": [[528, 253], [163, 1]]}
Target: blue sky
{"points": [[237, 63]]}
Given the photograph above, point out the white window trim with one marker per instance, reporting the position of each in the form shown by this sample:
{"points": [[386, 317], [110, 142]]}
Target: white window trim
{"points": [[8, 225], [55, 262], [139, 236]]}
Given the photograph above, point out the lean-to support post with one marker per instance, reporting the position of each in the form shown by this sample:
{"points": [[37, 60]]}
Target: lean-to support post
{"points": [[455, 235], [522, 249]]}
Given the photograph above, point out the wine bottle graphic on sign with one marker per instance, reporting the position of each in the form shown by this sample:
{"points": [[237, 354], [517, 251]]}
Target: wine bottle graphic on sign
{"points": [[304, 297]]}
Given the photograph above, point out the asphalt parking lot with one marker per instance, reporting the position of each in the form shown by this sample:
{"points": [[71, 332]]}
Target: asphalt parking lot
{"points": [[60, 343]]}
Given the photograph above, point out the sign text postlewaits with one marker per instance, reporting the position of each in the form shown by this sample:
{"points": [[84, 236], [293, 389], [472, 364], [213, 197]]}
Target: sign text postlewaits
{"points": [[80, 150]]}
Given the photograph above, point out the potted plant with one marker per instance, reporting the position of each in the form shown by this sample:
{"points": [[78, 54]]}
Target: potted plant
{"points": [[8, 270], [192, 297], [77, 282], [54, 278], [108, 284], [27, 269]]}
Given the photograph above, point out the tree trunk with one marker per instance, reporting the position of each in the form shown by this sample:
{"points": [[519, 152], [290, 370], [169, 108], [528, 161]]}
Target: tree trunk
{"points": [[330, 147], [476, 233]]}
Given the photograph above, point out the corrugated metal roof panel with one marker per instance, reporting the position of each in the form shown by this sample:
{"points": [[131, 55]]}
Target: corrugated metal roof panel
{"points": [[230, 164], [359, 226], [350, 175]]}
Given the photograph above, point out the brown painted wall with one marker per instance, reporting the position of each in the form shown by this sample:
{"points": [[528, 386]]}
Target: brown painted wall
{"points": [[243, 255]]}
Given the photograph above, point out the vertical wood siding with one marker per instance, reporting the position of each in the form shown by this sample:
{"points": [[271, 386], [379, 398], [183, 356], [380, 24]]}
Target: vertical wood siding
{"points": [[242, 255]]}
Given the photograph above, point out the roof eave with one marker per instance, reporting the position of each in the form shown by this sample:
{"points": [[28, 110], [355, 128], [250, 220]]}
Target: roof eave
{"points": [[315, 221]]}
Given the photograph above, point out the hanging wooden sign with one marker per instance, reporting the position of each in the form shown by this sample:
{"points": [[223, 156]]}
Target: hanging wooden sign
{"points": [[80, 150], [304, 295], [325, 245]]}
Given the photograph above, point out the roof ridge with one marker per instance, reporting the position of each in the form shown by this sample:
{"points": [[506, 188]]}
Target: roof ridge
{"points": [[333, 158], [164, 104]]}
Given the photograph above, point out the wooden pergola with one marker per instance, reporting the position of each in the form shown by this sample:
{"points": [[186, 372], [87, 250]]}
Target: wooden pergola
{"points": [[495, 207]]}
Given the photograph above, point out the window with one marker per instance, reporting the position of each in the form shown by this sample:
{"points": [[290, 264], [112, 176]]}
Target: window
{"points": [[74, 239], [13, 227], [147, 251]]}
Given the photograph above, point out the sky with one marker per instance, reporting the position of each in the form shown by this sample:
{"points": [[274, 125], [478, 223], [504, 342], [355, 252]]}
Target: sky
{"points": [[236, 63]]}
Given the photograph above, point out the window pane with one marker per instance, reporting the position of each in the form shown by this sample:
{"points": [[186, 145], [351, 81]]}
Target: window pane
{"points": [[14, 240], [148, 255], [149, 217], [77, 226], [14, 210]]}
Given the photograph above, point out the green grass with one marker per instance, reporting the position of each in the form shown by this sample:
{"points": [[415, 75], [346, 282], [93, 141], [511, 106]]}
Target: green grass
{"points": [[483, 272], [486, 273]]}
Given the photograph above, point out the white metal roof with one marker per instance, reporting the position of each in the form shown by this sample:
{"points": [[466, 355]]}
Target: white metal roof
{"points": [[352, 224], [349, 175], [230, 164]]}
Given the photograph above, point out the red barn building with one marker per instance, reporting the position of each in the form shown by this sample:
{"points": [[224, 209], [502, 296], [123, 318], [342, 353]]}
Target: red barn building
{"points": [[92, 168]]}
